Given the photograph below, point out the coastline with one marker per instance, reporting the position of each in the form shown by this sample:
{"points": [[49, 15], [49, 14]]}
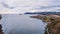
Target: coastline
{"points": [[1, 31], [53, 23]]}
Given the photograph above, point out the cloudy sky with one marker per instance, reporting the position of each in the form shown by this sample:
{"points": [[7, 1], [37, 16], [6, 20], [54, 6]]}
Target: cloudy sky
{"points": [[22, 6]]}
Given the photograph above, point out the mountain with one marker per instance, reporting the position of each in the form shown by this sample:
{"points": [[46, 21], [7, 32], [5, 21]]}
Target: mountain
{"points": [[44, 13]]}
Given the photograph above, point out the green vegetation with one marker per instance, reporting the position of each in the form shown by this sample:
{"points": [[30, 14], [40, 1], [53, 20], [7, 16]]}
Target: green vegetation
{"points": [[53, 23]]}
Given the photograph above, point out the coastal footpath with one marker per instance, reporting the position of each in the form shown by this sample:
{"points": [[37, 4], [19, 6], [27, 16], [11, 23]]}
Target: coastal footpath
{"points": [[53, 23], [1, 31]]}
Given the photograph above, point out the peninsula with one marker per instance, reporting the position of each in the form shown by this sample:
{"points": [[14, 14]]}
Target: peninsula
{"points": [[53, 23]]}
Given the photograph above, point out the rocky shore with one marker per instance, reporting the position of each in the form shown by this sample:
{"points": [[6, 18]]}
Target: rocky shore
{"points": [[1, 31], [53, 23]]}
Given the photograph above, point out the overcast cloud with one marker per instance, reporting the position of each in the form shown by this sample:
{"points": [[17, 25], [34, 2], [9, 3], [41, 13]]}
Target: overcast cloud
{"points": [[29, 5]]}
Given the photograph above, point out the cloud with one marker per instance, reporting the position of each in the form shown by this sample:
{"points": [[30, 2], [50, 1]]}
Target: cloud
{"points": [[27, 5], [7, 6]]}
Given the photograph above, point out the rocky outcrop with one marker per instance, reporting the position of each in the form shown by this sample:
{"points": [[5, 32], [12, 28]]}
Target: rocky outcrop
{"points": [[1, 31], [0, 17]]}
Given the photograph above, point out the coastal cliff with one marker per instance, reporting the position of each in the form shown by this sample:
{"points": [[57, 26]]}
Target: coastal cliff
{"points": [[53, 23], [1, 31]]}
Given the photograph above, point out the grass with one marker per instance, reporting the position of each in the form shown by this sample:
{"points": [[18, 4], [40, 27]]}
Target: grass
{"points": [[52, 22]]}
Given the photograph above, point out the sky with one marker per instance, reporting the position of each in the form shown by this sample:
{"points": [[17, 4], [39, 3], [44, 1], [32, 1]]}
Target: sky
{"points": [[21, 6]]}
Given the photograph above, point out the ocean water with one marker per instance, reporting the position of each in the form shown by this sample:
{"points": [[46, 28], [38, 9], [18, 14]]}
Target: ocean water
{"points": [[22, 24]]}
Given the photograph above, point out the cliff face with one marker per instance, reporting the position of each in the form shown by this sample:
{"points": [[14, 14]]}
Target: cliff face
{"points": [[53, 23], [1, 32], [0, 17], [54, 27], [1, 29]]}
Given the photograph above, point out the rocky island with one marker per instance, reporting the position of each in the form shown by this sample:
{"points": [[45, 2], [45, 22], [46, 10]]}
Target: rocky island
{"points": [[53, 23]]}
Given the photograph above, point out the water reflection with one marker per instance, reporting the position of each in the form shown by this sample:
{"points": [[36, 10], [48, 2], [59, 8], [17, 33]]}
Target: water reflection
{"points": [[22, 24]]}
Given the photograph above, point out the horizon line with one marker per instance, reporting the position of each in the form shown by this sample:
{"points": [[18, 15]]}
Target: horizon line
{"points": [[10, 12]]}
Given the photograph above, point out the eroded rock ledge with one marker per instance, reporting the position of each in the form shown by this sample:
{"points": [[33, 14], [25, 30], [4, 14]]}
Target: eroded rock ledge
{"points": [[53, 23]]}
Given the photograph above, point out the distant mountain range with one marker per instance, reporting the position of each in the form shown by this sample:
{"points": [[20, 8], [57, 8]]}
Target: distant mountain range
{"points": [[44, 13]]}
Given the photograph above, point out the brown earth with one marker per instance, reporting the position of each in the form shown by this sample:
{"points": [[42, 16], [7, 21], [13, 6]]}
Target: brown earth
{"points": [[53, 22]]}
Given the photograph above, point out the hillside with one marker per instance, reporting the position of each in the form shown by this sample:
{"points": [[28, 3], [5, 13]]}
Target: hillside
{"points": [[53, 23], [44, 13]]}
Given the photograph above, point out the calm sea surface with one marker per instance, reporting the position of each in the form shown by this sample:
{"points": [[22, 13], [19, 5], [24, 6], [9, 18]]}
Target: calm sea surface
{"points": [[22, 24]]}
